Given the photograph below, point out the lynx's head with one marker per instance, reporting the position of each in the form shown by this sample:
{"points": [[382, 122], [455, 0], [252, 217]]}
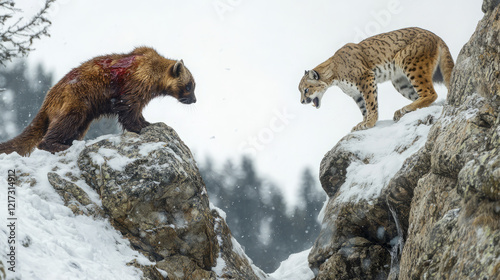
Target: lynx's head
{"points": [[181, 83], [312, 88]]}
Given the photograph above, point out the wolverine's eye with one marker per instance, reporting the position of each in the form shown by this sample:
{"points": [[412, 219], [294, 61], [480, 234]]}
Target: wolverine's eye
{"points": [[189, 87], [306, 91]]}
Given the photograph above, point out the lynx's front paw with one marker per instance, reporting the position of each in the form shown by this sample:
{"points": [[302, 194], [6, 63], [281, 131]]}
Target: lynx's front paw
{"points": [[400, 113], [362, 126]]}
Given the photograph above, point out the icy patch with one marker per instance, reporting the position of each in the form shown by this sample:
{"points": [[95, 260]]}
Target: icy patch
{"points": [[384, 148]]}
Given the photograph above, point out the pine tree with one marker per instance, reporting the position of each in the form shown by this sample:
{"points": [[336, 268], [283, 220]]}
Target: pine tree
{"points": [[22, 96], [257, 212], [247, 207], [305, 216]]}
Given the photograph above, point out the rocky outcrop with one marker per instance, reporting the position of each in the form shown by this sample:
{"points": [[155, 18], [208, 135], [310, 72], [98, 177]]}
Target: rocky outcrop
{"points": [[438, 216], [454, 220], [360, 236], [152, 192]]}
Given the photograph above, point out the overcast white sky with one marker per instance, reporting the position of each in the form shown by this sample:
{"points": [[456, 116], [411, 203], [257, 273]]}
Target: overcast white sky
{"points": [[247, 57]]}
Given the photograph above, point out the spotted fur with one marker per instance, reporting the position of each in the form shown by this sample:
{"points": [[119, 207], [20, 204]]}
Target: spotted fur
{"points": [[411, 58]]}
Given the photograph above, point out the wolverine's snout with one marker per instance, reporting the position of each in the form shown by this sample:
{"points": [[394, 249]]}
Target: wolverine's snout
{"points": [[188, 99]]}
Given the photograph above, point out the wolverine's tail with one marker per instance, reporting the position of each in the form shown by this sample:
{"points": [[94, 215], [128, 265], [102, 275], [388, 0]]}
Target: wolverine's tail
{"points": [[445, 66], [25, 142]]}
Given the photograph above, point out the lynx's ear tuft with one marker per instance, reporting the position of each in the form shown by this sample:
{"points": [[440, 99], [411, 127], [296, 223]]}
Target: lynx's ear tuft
{"points": [[178, 66], [313, 75]]}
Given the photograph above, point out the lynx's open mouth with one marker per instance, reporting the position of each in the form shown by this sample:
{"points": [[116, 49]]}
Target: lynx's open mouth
{"points": [[316, 102]]}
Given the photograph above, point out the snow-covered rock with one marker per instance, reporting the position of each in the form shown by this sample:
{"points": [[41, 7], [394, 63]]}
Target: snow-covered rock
{"points": [[420, 199], [358, 229], [454, 220], [130, 206]]}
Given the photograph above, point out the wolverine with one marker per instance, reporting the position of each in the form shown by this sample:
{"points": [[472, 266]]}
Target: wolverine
{"points": [[115, 84]]}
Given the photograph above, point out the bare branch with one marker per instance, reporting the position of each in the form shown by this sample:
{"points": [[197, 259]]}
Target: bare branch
{"points": [[18, 37]]}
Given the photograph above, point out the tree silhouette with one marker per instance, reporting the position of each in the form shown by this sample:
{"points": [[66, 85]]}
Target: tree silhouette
{"points": [[311, 200], [17, 34], [257, 213], [22, 96]]}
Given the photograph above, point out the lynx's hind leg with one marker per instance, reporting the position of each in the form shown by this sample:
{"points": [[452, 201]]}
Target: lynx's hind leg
{"points": [[418, 61], [404, 87]]}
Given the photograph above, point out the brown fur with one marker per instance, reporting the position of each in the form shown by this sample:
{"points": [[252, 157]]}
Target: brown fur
{"points": [[115, 84], [412, 58]]}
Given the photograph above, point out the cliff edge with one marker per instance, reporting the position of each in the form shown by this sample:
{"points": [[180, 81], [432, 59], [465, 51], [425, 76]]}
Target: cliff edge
{"points": [[433, 213]]}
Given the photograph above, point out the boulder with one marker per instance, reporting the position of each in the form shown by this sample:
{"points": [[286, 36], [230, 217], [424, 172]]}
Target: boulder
{"points": [[152, 192]]}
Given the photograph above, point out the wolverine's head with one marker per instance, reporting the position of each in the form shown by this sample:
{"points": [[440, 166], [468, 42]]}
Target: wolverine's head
{"points": [[183, 85], [312, 88]]}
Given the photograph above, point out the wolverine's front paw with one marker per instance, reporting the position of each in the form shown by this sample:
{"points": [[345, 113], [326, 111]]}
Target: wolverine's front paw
{"points": [[144, 124], [52, 147], [399, 114]]}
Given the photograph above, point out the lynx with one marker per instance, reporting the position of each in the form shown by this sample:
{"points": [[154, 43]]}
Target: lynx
{"points": [[412, 58]]}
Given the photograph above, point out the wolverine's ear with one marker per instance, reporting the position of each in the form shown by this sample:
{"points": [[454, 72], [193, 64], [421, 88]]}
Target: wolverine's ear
{"points": [[313, 75], [306, 72], [178, 66]]}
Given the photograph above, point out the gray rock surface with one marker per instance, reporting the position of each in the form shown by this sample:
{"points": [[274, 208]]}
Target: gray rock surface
{"points": [[445, 198], [152, 192], [359, 233], [454, 230]]}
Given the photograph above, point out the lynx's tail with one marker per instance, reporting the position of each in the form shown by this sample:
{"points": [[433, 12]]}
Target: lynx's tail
{"points": [[444, 67], [25, 142]]}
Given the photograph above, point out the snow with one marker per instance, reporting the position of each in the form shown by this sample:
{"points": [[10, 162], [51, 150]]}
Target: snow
{"points": [[220, 263], [237, 248], [112, 158], [52, 242], [296, 267], [466, 111], [147, 148], [385, 148]]}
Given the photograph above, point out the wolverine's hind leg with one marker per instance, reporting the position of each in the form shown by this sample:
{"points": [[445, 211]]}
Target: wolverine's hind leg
{"points": [[63, 131], [418, 62]]}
